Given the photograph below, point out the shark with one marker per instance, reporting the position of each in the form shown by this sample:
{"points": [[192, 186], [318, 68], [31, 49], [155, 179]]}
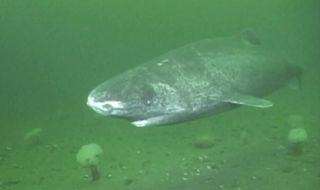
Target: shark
{"points": [[199, 79]]}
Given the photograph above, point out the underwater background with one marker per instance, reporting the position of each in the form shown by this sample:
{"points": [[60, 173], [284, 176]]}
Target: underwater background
{"points": [[53, 53]]}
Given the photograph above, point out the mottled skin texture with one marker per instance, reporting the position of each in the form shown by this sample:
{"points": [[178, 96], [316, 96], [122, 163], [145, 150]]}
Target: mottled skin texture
{"points": [[202, 78]]}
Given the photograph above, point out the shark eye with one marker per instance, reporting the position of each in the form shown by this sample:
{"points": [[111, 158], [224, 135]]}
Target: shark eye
{"points": [[148, 102], [148, 95]]}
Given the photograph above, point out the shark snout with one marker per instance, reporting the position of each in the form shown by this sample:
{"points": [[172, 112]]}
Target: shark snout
{"points": [[104, 107]]}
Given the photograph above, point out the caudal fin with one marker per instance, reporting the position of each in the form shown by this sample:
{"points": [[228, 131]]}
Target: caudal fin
{"points": [[295, 71]]}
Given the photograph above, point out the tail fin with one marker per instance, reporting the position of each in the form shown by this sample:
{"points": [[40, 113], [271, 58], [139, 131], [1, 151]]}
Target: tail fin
{"points": [[295, 71]]}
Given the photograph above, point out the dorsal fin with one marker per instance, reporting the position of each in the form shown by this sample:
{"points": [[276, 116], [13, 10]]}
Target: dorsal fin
{"points": [[250, 37]]}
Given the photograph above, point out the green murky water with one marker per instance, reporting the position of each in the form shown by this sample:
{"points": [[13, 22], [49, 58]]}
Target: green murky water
{"points": [[52, 53]]}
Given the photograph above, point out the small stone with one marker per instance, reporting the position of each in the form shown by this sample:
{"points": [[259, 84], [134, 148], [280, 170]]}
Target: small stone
{"points": [[128, 181], [185, 178], [86, 176], [16, 166], [204, 142], [221, 186]]}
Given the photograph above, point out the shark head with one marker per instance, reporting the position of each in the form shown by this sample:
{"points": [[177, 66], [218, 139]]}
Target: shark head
{"points": [[134, 99]]}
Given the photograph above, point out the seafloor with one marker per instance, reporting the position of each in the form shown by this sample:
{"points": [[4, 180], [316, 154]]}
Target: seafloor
{"points": [[244, 149]]}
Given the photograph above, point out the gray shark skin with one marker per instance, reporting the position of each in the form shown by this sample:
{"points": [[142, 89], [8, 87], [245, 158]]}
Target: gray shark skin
{"points": [[196, 80]]}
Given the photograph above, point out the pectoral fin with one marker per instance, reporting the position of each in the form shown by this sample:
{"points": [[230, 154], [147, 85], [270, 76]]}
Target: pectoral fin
{"points": [[248, 100], [243, 99], [153, 121]]}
